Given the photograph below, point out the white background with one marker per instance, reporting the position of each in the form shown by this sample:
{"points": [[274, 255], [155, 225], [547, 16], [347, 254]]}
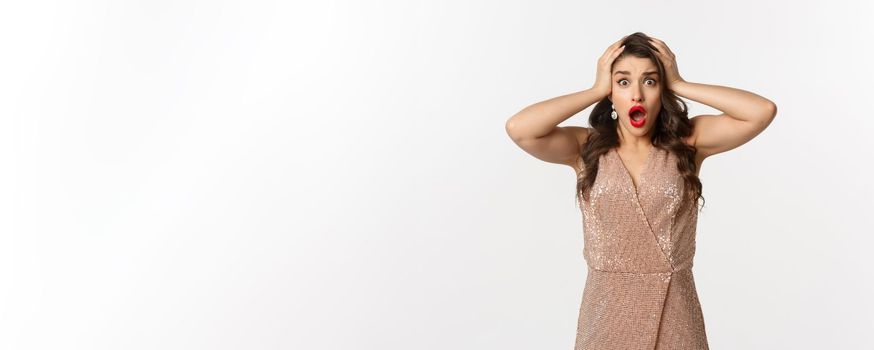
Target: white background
{"points": [[335, 175]]}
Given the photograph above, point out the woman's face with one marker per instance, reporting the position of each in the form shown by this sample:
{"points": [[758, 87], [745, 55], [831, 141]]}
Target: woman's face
{"points": [[636, 83]]}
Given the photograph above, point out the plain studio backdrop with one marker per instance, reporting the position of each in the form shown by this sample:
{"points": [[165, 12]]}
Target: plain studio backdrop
{"points": [[334, 175]]}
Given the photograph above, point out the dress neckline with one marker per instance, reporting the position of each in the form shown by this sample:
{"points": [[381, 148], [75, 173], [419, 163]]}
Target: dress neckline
{"points": [[641, 177]]}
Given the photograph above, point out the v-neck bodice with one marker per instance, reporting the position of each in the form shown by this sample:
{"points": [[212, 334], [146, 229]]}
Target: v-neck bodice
{"points": [[639, 246], [640, 177]]}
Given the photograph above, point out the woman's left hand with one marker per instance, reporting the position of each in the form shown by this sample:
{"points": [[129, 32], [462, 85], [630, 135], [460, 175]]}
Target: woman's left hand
{"points": [[669, 61]]}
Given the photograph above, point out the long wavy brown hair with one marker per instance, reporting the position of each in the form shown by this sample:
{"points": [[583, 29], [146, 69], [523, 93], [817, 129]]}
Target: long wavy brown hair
{"points": [[672, 126]]}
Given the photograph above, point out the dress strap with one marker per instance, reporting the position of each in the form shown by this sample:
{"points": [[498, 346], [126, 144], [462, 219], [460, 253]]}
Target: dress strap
{"points": [[580, 166]]}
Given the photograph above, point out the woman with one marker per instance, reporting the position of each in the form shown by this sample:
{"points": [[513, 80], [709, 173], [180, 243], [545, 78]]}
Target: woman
{"points": [[637, 172]]}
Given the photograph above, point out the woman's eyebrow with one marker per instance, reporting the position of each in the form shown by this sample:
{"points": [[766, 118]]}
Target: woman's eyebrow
{"points": [[644, 73]]}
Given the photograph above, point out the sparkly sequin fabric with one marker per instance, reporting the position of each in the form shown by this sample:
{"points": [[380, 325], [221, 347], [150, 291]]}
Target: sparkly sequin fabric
{"points": [[639, 245]]}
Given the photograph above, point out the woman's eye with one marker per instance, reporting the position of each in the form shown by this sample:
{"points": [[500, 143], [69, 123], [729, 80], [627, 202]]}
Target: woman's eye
{"points": [[620, 82]]}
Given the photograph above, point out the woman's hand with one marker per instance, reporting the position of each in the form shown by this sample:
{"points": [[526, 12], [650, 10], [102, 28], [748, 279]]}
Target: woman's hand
{"points": [[603, 81], [669, 61]]}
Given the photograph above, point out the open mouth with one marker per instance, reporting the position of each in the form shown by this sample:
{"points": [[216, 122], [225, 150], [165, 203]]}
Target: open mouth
{"points": [[637, 115]]}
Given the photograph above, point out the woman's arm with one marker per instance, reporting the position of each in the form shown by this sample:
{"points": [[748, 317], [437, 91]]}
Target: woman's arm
{"points": [[541, 118], [744, 115], [535, 128]]}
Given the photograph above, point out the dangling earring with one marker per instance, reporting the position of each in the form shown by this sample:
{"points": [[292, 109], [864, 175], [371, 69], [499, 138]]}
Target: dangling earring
{"points": [[613, 114]]}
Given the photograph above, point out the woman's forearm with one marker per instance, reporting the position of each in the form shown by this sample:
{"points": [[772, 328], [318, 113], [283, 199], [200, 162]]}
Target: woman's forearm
{"points": [[736, 103], [541, 118]]}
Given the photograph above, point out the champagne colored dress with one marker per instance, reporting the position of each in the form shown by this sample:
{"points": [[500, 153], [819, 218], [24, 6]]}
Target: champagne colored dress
{"points": [[639, 245]]}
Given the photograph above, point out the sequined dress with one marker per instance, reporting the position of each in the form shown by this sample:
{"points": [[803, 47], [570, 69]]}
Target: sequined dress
{"points": [[638, 245]]}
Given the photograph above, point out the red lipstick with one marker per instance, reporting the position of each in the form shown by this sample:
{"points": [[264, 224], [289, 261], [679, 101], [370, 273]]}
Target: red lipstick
{"points": [[637, 116]]}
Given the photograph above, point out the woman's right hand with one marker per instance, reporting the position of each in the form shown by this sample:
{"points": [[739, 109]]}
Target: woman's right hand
{"points": [[603, 81]]}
